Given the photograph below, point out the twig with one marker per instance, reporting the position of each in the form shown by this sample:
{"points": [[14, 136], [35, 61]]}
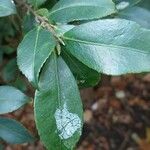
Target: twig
{"points": [[41, 20]]}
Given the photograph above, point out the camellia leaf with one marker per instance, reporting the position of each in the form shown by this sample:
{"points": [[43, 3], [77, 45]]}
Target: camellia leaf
{"points": [[11, 99], [13, 132], [68, 10], [33, 51], [58, 108], [111, 46], [7, 7], [85, 76], [36, 3], [137, 14]]}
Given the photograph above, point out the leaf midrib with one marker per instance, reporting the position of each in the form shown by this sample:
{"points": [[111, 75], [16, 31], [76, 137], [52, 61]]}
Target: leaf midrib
{"points": [[58, 85], [106, 45], [34, 54]]}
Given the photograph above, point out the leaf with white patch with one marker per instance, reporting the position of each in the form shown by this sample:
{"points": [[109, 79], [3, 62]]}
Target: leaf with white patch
{"points": [[58, 108]]}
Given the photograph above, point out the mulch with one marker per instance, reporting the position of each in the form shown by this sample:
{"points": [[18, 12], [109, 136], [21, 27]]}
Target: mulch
{"points": [[116, 116]]}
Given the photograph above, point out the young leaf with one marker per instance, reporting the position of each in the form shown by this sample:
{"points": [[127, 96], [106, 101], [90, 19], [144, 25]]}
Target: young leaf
{"points": [[33, 51], [85, 76], [67, 10], [111, 46], [7, 7], [13, 132], [137, 14], [58, 108], [11, 99], [36, 3]]}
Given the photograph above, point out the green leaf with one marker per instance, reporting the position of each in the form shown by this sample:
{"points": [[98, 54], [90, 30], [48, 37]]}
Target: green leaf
{"points": [[20, 84], [122, 4], [11, 99], [43, 12], [33, 51], [13, 132], [29, 23], [62, 29], [111, 46], [7, 7], [36, 3], [10, 70], [85, 76], [68, 10], [137, 14], [58, 108]]}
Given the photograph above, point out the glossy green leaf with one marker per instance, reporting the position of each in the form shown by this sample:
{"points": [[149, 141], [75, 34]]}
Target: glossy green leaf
{"points": [[68, 10], [9, 71], [7, 7], [137, 14], [85, 76], [58, 108], [11, 99], [111, 46], [33, 51], [36, 3], [13, 132]]}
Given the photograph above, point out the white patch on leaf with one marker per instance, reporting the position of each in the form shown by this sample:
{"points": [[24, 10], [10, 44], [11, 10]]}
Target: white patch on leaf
{"points": [[122, 5], [67, 123]]}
